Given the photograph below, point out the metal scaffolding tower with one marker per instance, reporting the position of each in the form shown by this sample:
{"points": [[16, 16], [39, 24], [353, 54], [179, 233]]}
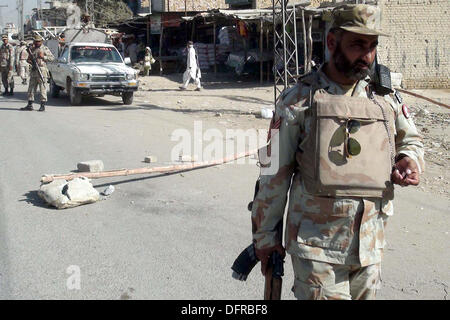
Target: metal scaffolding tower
{"points": [[285, 68], [90, 9]]}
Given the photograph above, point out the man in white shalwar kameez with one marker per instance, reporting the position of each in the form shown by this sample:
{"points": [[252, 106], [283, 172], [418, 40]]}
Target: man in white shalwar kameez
{"points": [[192, 68]]}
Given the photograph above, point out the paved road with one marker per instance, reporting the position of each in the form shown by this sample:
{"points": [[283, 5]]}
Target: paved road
{"points": [[160, 236]]}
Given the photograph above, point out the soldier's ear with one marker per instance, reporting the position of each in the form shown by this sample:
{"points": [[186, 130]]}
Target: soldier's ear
{"points": [[331, 42]]}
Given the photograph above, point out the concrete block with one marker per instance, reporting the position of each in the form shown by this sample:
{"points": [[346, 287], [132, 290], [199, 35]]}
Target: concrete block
{"points": [[90, 166], [151, 159]]}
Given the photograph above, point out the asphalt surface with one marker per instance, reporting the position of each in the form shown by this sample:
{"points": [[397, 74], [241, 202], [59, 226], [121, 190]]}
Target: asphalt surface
{"points": [[159, 236]]}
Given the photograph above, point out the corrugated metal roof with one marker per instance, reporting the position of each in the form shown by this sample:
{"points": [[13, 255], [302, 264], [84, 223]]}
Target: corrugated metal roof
{"points": [[248, 14]]}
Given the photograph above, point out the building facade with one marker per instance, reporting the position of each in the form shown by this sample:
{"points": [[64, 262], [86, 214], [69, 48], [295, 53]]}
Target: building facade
{"points": [[419, 45], [203, 5]]}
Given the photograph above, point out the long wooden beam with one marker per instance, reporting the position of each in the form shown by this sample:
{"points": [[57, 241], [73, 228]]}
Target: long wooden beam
{"points": [[127, 172]]}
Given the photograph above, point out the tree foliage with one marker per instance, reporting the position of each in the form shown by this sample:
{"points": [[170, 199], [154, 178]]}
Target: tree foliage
{"points": [[107, 11]]}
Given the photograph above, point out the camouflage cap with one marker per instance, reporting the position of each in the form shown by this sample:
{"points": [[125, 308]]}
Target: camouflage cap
{"points": [[4, 36], [37, 37], [359, 18]]}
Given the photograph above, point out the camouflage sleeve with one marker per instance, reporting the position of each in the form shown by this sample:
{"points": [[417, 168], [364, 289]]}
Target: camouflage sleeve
{"points": [[48, 55], [11, 57], [270, 201], [408, 141]]}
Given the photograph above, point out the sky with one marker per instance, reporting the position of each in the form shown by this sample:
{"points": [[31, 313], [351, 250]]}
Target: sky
{"points": [[10, 13]]}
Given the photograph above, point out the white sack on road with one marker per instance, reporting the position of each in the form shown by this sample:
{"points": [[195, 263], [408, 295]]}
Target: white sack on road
{"points": [[62, 194]]}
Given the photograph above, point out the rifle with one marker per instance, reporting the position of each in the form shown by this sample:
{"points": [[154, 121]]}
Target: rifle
{"points": [[35, 65], [275, 271], [247, 260]]}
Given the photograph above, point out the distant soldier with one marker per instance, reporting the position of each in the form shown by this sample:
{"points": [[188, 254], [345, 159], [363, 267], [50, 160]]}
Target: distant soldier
{"points": [[22, 66], [7, 66], [42, 55]]}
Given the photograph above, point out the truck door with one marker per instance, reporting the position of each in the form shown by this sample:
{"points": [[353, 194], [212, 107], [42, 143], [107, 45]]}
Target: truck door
{"points": [[61, 68]]}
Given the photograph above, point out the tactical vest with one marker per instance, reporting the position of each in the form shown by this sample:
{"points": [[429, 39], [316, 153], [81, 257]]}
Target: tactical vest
{"points": [[327, 168]]}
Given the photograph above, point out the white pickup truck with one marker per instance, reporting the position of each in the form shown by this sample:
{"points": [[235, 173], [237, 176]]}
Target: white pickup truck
{"points": [[91, 69]]}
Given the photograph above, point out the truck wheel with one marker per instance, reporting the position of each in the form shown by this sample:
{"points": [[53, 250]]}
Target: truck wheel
{"points": [[127, 97], [54, 89], [74, 95]]}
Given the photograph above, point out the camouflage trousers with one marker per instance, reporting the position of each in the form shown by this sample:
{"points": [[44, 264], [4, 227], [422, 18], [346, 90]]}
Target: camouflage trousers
{"points": [[7, 78], [316, 280], [24, 69], [32, 87]]}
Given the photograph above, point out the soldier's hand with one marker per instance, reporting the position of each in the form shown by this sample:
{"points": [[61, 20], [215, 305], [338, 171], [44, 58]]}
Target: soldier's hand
{"points": [[41, 55], [264, 255], [405, 172]]}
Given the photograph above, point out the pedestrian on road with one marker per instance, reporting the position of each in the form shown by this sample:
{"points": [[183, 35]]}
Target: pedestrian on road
{"points": [[42, 54], [148, 61], [7, 66], [22, 66], [342, 144], [192, 68]]}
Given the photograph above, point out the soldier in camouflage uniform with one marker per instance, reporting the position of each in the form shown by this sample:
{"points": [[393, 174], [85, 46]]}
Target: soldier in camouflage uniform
{"points": [[42, 54], [22, 65], [335, 240], [6, 66]]}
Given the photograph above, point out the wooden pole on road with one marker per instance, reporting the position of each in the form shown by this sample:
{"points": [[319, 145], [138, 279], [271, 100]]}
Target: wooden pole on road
{"points": [[127, 172]]}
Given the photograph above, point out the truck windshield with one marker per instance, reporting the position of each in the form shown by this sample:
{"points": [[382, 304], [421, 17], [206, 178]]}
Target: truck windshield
{"points": [[94, 54]]}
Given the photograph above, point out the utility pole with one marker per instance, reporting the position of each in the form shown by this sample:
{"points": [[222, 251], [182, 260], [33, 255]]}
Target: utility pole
{"points": [[1, 17], [20, 12]]}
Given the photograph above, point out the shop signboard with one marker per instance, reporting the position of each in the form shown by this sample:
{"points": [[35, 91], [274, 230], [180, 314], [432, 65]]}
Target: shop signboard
{"points": [[145, 7], [155, 23], [238, 2]]}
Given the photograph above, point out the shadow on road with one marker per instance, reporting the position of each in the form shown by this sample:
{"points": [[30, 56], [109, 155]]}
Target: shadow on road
{"points": [[224, 80], [33, 198], [89, 102], [187, 110], [62, 101], [232, 97], [148, 177]]}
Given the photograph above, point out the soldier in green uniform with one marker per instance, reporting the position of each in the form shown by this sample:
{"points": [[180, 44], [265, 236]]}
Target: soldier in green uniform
{"points": [[341, 148], [42, 54], [7, 65]]}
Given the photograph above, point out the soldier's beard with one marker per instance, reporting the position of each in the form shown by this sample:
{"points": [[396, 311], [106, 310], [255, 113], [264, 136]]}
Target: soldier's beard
{"points": [[349, 69]]}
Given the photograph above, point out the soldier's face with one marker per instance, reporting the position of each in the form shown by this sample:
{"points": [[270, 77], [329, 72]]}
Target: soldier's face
{"points": [[5, 41], [37, 44], [354, 54]]}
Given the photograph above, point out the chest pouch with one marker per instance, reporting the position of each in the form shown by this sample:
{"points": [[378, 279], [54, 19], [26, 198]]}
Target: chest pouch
{"points": [[348, 151]]}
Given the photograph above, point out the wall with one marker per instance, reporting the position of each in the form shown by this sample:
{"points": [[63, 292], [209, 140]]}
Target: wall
{"points": [[195, 5], [419, 46], [263, 4], [202, 5]]}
